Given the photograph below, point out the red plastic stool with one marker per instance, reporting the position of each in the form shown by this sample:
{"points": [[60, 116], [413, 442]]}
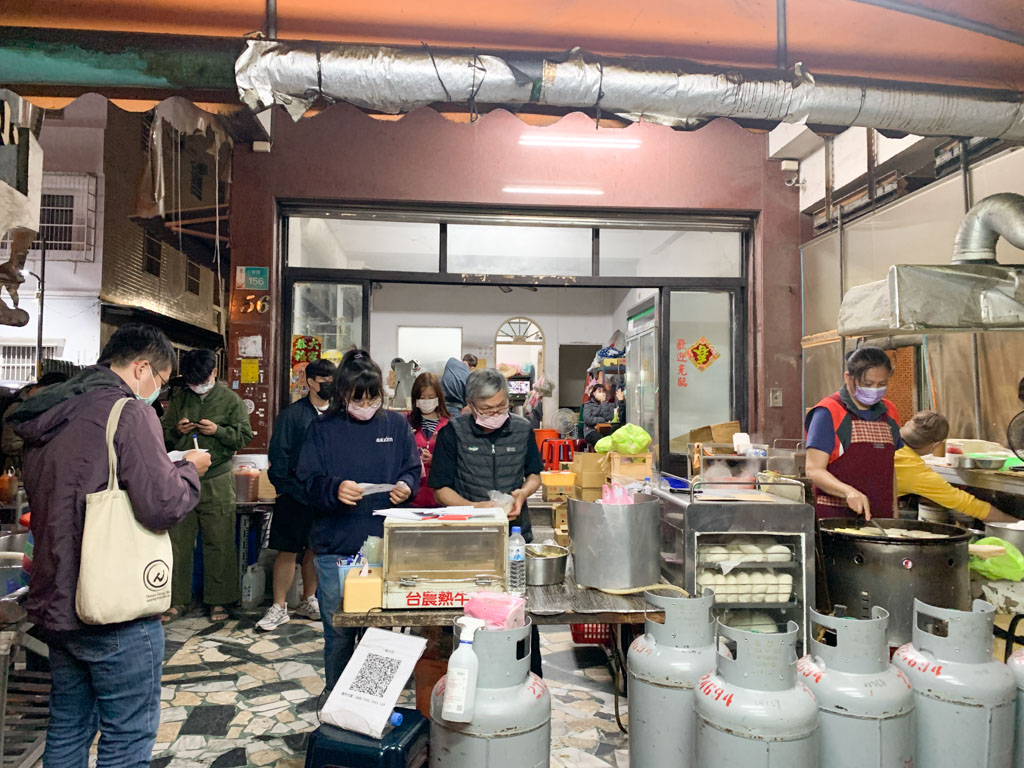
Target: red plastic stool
{"points": [[554, 452]]}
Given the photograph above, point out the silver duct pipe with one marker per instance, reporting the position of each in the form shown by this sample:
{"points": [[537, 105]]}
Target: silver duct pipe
{"points": [[1000, 215], [675, 93]]}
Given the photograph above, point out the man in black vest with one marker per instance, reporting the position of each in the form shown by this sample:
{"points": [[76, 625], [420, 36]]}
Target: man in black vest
{"points": [[488, 449]]}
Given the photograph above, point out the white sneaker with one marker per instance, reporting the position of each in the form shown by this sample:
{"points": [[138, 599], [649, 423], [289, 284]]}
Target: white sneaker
{"points": [[309, 608], [276, 616]]}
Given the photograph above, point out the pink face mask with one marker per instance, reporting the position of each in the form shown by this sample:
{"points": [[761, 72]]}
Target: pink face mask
{"points": [[363, 412], [494, 421]]}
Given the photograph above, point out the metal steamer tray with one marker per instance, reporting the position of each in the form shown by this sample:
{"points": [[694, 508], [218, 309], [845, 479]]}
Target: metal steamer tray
{"points": [[770, 586], [862, 571]]}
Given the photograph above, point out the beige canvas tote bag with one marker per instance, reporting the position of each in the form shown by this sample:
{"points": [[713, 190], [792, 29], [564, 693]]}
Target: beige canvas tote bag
{"points": [[125, 572]]}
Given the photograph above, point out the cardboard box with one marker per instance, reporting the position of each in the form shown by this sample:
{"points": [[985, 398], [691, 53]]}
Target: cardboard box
{"points": [[556, 492], [586, 494], [562, 536], [637, 466], [590, 469], [560, 516], [558, 479]]}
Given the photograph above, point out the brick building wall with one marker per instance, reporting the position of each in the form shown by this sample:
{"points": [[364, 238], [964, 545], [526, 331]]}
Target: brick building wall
{"points": [[125, 280]]}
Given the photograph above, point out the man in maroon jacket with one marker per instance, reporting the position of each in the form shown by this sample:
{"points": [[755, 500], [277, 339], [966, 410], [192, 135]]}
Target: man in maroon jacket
{"points": [[104, 677]]}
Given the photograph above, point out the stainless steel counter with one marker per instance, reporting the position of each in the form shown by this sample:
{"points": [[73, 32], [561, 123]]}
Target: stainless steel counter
{"points": [[987, 479]]}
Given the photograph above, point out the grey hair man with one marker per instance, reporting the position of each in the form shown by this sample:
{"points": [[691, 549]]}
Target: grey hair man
{"points": [[488, 449]]}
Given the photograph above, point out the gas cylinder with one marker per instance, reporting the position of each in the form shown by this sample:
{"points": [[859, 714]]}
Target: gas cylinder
{"points": [[664, 666], [866, 705], [511, 723], [964, 699], [1016, 665], [753, 711]]}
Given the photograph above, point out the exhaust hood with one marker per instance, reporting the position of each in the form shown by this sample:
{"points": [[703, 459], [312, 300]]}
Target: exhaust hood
{"points": [[972, 293]]}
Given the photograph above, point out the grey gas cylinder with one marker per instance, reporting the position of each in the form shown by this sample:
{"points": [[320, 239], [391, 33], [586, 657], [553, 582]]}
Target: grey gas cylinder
{"points": [[964, 699], [866, 705], [511, 725], [664, 666], [1016, 665], [753, 711]]}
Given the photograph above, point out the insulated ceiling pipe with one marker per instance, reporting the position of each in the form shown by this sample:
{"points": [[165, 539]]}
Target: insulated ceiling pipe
{"points": [[1000, 215], [668, 92]]}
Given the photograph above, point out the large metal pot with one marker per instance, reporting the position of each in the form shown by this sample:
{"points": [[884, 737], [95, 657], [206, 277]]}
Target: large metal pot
{"points": [[616, 546], [1010, 532], [864, 571]]}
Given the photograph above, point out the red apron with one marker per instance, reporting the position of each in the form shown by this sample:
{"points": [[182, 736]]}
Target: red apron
{"points": [[863, 458], [425, 495]]}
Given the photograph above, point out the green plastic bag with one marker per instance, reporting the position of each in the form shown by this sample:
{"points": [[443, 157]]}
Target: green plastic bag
{"points": [[631, 439], [1009, 566], [604, 445]]}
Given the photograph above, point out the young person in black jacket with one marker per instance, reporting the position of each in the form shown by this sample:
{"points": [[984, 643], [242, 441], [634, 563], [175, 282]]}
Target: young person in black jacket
{"points": [[597, 410], [355, 442], [293, 518]]}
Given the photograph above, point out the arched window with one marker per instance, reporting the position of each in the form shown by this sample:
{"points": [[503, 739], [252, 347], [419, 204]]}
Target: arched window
{"points": [[520, 341]]}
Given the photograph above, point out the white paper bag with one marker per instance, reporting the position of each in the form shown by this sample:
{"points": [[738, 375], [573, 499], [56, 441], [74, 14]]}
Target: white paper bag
{"points": [[368, 690]]}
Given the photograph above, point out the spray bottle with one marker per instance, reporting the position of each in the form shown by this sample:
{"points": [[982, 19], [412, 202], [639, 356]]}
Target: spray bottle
{"points": [[460, 685]]}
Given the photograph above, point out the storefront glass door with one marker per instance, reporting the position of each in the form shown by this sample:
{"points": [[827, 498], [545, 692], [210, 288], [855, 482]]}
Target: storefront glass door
{"points": [[327, 321], [701, 338]]}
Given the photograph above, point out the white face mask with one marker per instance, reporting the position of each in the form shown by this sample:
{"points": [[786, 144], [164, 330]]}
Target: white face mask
{"points": [[428, 406], [202, 389]]}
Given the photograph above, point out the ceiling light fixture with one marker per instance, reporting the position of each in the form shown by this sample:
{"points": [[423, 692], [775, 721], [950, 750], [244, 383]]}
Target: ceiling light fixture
{"points": [[523, 190], [578, 142]]}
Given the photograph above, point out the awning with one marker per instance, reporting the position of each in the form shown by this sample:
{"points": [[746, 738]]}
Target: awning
{"points": [[831, 37]]}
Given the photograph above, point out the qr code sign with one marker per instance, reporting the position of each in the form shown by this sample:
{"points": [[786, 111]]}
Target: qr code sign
{"points": [[375, 675]]}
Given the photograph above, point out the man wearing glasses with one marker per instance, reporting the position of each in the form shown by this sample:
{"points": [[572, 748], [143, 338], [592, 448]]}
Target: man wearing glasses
{"points": [[488, 449]]}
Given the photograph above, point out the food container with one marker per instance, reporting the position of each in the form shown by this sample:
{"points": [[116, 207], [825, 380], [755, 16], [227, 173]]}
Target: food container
{"points": [[247, 483], [545, 564], [1011, 532], [864, 571], [616, 546], [974, 461]]}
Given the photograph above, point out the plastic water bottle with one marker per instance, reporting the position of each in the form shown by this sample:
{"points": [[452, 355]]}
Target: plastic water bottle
{"points": [[254, 584], [646, 489], [517, 562]]}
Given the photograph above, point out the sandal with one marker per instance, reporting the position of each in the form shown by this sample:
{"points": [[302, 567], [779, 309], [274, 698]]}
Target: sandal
{"points": [[172, 613], [218, 613]]}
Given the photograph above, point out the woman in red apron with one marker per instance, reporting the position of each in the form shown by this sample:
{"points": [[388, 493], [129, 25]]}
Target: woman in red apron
{"points": [[429, 414], [852, 437]]}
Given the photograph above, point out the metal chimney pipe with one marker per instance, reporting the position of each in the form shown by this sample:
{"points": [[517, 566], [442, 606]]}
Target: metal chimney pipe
{"points": [[999, 215]]}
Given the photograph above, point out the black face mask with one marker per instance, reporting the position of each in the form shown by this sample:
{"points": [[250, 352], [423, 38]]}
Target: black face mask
{"points": [[326, 390]]}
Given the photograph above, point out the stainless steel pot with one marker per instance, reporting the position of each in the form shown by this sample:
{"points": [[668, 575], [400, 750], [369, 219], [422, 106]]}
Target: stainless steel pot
{"points": [[13, 542], [545, 564], [1006, 532], [864, 571], [616, 546]]}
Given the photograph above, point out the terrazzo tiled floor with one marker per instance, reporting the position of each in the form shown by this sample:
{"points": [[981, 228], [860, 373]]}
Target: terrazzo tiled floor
{"points": [[232, 697]]}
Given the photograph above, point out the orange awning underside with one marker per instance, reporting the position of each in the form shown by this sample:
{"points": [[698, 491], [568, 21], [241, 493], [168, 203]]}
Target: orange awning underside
{"points": [[839, 37]]}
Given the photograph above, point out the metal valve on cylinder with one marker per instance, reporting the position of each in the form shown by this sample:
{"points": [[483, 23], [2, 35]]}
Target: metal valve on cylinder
{"points": [[753, 711], [510, 725], [964, 699], [866, 705], [664, 666]]}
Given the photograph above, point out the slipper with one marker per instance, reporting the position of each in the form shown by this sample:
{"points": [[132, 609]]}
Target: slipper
{"points": [[218, 613], [172, 613]]}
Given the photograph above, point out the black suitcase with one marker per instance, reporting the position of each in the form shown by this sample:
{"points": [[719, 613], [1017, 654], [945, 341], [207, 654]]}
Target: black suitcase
{"points": [[405, 746]]}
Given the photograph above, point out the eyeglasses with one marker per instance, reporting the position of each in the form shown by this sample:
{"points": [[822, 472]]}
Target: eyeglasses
{"points": [[159, 378], [495, 410]]}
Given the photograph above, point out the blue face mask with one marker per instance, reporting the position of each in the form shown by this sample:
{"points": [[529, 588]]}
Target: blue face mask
{"points": [[156, 392]]}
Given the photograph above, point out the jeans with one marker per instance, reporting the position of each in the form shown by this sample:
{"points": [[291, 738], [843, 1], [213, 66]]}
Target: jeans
{"points": [[105, 679], [339, 642]]}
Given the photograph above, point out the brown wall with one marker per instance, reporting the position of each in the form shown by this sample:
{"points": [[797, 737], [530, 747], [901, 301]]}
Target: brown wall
{"points": [[342, 154]]}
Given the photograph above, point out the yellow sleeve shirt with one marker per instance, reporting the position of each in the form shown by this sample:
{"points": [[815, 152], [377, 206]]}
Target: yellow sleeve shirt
{"points": [[914, 476]]}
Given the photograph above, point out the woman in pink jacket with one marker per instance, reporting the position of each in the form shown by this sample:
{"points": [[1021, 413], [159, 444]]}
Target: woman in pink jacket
{"points": [[429, 414]]}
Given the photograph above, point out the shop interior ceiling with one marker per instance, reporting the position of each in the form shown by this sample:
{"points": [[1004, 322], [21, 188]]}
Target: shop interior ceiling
{"points": [[759, 61]]}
